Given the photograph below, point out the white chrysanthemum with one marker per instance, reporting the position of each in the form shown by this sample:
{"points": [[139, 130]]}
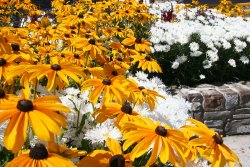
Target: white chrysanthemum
{"points": [[175, 65], [212, 55], [194, 46], [232, 62], [101, 132], [244, 59], [202, 76], [195, 54]]}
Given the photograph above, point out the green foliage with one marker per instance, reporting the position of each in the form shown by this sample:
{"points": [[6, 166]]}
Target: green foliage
{"points": [[189, 72], [5, 156]]}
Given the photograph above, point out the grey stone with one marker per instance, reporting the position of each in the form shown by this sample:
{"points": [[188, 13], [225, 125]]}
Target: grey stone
{"points": [[238, 127], [241, 116], [196, 106], [192, 95], [205, 86], [231, 98], [214, 124], [219, 115], [242, 111], [213, 100], [244, 94]]}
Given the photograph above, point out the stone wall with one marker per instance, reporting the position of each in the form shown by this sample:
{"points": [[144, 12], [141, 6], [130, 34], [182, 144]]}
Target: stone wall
{"points": [[225, 108]]}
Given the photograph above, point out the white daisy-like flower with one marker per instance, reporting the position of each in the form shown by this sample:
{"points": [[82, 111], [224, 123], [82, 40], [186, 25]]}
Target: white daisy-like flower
{"points": [[194, 46], [101, 132], [244, 59], [232, 62], [175, 65]]}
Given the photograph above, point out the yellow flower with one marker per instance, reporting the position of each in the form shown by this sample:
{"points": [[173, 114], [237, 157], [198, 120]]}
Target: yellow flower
{"points": [[146, 62], [122, 113], [64, 151], [6, 97], [215, 150], [165, 142], [6, 60], [139, 94], [141, 45], [56, 72], [41, 113], [111, 89], [38, 156], [102, 158]]}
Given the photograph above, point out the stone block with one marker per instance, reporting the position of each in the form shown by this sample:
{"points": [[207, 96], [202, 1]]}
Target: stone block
{"points": [[231, 98], [196, 106], [207, 86], [244, 94], [218, 115], [238, 127], [213, 100], [192, 95], [242, 111], [214, 123], [241, 116]]}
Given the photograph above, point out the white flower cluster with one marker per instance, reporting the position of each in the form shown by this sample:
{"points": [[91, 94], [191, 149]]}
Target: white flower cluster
{"points": [[215, 31]]}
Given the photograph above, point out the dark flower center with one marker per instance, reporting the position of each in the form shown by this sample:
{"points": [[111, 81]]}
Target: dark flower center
{"points": [[38, 152], [193, 137], [138, 40], [117, 161], [119, 58], [160, 130], [2, 94], [72, 27], [148, 58], [80, 16], [141, 87], [56, 67], [218, 139], [25, 105], [92, 41], [66, 35], [2, 62], [106, 81], [126, 108], [76, 56], [114, 73], [62, 55], [126, 11], [15, 47]]}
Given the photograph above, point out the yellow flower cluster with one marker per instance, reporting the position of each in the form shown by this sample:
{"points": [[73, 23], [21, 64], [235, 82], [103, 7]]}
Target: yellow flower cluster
{"points": [[91, 45]]}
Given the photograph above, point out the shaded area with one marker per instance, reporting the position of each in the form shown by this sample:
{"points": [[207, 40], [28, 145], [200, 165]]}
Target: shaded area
{"points": [[42, 4]]}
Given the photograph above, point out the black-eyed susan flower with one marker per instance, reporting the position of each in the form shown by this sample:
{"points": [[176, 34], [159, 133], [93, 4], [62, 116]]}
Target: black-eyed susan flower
{"points": [[146, 62], [57, 73], [38, 156], [5, 61], [140, 44], [121, 113], [139, 94], [163, 141], [5, 97], [111, 89], [102, 158], [42, 114], [212, 143]]}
